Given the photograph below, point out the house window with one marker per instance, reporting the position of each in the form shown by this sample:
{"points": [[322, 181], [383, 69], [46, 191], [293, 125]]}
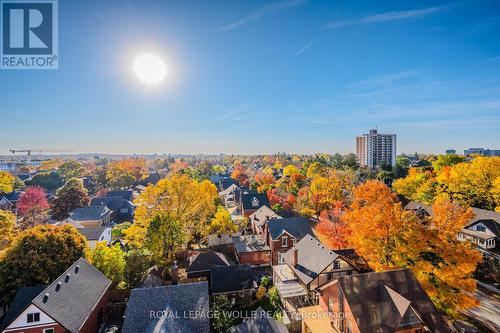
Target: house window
{"points": [[284, 241], [48, 330], [255, 202], [294, 241], [123, 210], [33, 317], [330, 304], [336, 264], [480, 227], [281, 259], [419, 330]]}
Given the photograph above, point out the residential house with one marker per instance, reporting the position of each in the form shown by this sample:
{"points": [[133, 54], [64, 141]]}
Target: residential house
{"points": [[176, 308], [225, 182], [282, 234], [122, 209], [5, 204], [200, 264], [308, 265], [392, 301], [96, 234], [89, 217], [260, 217], [231, 196], [74, 302], [251, 201], [252, 250], [237, 280], [483, 229], [260, 322], [9, 201]]}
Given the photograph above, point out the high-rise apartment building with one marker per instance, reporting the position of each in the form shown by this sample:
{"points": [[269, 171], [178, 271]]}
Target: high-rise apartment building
{"points": [[374, 149]]}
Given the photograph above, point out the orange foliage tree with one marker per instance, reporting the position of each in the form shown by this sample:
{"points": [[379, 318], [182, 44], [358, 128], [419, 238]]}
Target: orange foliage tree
{"points": [[332, 230]]}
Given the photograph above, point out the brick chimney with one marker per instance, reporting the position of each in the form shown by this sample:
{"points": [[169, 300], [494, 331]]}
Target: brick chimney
{"points": [[174, 273], [295, 256]]}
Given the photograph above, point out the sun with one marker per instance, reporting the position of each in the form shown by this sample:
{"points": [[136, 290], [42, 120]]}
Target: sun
{"points": [[150, 68]]}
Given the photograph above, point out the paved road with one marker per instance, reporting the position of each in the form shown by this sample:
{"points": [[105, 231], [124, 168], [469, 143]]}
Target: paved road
{"points": [[488, 311]]}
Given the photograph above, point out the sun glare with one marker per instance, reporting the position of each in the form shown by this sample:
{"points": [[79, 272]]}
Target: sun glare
{"points": [[150, 68]]}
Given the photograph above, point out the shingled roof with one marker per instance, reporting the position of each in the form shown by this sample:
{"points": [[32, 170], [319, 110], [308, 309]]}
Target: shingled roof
{"points": [[72, 297], [89, 213], [381, 301], [298, 227], [232, 279], [171, 307], [204, 261], [93, 234], [21, 300], [262, 322]]}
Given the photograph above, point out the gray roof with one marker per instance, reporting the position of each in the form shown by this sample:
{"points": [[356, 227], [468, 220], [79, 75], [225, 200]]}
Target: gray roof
{"points": [[171, 306], [377, 308], [298, 227], [92, 233], [21, 300], [204, 261], [89, 213], [113, 203], [479, 214], [263, 214], [249, 198], [231, 279], [81, 288], [124, 194], [249, 243], [313, 258], [261, 323]]}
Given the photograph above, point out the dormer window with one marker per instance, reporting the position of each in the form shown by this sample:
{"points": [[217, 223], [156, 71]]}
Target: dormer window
{"points": [[284, 241], [336, 264], [255, 202], [33, 317]]}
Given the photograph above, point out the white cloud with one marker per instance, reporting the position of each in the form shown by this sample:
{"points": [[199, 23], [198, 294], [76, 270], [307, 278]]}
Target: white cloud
{"points": [[305, 47], [387, 17], [260, 12]]}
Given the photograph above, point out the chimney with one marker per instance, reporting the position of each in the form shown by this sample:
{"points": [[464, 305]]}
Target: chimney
{"points": [[295, 256], [174, 274]]}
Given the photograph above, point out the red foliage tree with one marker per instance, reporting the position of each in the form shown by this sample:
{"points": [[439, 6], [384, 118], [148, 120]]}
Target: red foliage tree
{"points": [[33, 197], [331, 229]]}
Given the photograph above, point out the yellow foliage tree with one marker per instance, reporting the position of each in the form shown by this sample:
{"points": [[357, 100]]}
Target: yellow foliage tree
{"points": [[190, 202], [221, 223], [6, 182], [8, 230], [418, 186]]}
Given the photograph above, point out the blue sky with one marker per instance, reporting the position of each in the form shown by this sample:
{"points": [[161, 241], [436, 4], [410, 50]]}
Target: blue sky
{"points": [[261, 77]]}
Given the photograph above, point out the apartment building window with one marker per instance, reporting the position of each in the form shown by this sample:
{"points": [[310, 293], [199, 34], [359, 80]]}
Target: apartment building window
{"points": [[33, 317], [284, 241]]}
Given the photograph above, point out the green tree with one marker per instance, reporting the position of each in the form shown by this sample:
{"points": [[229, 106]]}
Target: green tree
{"points": [[446, 160], [71, 169], [165, 237], [48, 180], [117, 231], [38, 256], [221, 309], [109, 260], [72, 195], [136, 265]]}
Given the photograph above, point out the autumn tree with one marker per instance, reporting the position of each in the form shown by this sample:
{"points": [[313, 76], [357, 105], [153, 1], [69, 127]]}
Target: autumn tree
{"points": [[6, 182], [178, 166], [418, 185], [71, 196], [332, 229], [446, 160], [264, 182], [472, 184], [32, 206], [186, 200], [165, 237], [109, 260], [8, 230], [38, 256], [221, 223], [240, 174], [125, 173], [71, 169], [136, 265]]}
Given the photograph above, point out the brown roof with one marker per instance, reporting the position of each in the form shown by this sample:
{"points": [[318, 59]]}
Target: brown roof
{"points": [[376, 309], [352, 258]]}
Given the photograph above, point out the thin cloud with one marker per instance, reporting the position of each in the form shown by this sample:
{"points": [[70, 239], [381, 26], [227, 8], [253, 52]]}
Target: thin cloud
{"points": [[385, 79], [305, 47], [387, 17], [260, 12]]}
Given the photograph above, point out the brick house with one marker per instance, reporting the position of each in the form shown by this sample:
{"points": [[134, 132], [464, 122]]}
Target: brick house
{"points": [[74, 302], [252, 249], [282, 234], [392, 301]]}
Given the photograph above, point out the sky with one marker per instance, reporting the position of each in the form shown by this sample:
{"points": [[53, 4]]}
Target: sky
{"points": [[258, 77]]}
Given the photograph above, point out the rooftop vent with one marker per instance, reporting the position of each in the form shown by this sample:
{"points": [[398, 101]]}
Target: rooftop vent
{"points": [[46, 297], [58, 286], [77, 268], [66, 279]]}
